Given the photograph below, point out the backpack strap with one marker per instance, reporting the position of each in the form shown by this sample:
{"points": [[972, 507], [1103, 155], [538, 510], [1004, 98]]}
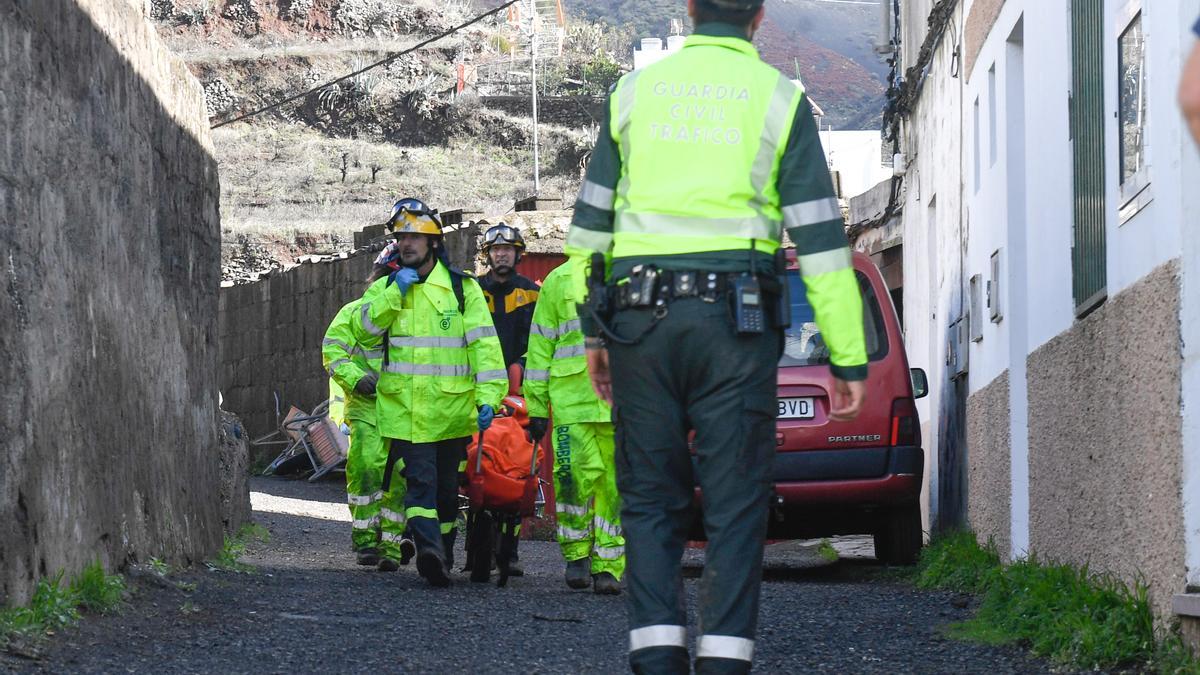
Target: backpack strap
{"points": [[456, 282]]}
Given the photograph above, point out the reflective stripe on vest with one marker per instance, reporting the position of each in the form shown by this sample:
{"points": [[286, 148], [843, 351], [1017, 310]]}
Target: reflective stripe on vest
{"points": [[553, 334], [366, 321], [480, 333], [591, 240], [569, 351], [596, 196], [404, 368], [431, 342], [811, 213]]}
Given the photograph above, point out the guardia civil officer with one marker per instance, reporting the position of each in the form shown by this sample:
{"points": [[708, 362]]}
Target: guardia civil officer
{"points": [[704, 156]]}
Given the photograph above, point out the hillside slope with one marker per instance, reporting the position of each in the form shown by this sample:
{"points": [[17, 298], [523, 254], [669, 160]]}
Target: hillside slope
{"points": [[310, 173], [829, 44]]}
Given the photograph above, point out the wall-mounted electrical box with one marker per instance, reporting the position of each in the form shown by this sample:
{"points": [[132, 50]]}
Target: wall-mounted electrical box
{"points": [[995, 309]]}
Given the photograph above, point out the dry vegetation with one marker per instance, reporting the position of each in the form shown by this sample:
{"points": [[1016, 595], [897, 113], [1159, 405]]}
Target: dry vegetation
{"points": [[311, 173]]}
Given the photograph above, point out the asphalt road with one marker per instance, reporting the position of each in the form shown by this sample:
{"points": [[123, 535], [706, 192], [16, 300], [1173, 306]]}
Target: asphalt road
{"points": [[309, 609]]}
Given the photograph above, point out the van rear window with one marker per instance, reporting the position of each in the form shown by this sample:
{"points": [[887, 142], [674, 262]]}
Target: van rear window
{"points": [[803, 345]]}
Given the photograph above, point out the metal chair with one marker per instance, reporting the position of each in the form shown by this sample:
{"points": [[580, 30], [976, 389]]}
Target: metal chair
{"points": [[311, 437]]}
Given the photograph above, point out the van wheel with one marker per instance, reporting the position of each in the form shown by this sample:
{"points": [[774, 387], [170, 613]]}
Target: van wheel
{"points": [[899, 537]]}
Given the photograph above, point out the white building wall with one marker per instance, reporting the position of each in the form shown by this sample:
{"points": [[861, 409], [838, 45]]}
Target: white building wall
{"points": [[1189, 225], [1026, 211], [1049, 210], [933, 221], [1151, 237]]}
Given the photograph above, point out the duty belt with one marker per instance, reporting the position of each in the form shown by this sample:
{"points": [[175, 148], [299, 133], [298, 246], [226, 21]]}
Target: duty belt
{"points": [[650, 287]]}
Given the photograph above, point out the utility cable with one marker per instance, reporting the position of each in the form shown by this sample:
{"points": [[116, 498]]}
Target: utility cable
{"points": [[360, 71]]}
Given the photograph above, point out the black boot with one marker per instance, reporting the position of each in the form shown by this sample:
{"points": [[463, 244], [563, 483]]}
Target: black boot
{"points": [[432, 566], [368, 557], [606, 584], [579, 573], [407, 550]]}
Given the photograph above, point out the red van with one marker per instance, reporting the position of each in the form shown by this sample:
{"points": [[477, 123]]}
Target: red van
{"points": [[860, 477]]}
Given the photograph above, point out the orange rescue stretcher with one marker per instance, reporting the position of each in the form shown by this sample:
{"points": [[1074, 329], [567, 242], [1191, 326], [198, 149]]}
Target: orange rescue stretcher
{"points": [[503, 488]]}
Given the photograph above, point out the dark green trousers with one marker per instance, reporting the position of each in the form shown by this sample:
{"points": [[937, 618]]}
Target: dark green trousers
{"points": [[693, 372]]}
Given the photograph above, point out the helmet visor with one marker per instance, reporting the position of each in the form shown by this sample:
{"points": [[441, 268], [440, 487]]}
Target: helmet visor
{"points": [[501, 234]]}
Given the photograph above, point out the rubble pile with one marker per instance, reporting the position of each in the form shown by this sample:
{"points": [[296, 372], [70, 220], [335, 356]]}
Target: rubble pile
{"points": [[162, 10], [359, 18], [218, 98], [248, 262], [298, 9]]}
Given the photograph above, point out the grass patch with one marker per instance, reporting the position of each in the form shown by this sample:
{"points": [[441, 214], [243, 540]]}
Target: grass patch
{"points": [[957, 562], [1070, 615], [235, 546], [56, 605], [827, 552], [98, 592], [160, 567]]}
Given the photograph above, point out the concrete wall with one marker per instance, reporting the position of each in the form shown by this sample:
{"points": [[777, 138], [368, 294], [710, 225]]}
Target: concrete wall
{"points": [[110, 237], [271, 332], [1105, 439], [988, 471]]}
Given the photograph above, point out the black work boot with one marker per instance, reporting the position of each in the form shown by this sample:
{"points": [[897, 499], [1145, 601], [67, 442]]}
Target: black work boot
{"points": [[432, 566], [606, 584], [579, 573], [407, 550], [368, 557], [388, 565]]}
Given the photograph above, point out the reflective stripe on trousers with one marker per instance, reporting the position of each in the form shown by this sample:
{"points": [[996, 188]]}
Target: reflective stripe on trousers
{"points": [[657, 636], [725, 647]]}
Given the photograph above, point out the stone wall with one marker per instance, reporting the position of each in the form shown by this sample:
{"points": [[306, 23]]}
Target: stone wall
{"points": [[989, 471], [271, 333], [109, 245], [1105, 443], [270, 337]]}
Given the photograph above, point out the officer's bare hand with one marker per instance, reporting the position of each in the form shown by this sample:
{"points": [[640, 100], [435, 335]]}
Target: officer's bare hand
{"points": [[847, 399], [597, 361]]}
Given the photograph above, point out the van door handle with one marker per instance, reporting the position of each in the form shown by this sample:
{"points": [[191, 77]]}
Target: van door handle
{"points": [[778, 438]]}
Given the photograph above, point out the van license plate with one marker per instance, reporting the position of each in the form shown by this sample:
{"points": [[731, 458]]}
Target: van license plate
{"points": [[796, 408]]}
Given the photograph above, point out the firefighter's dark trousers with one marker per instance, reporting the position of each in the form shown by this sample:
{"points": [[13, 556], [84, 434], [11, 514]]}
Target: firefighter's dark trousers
{"points": [[431, 471], [693, 372], [451, 466]]}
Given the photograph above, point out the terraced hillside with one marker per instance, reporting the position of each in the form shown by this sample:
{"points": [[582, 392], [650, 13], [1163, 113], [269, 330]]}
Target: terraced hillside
{"points": [[303, 177]]}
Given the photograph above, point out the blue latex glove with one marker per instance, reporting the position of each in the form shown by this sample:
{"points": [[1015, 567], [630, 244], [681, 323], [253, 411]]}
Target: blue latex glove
{"points": [[404, 278], [486, 415]]}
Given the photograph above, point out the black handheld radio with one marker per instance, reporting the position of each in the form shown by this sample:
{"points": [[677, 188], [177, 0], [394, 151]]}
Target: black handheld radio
{"points": [[747, 298]]}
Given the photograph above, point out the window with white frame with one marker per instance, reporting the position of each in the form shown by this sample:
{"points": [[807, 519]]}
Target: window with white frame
{"points": [[1131, 107]]}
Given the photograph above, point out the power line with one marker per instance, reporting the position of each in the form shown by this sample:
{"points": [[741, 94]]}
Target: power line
{"points": [[360, 71]]}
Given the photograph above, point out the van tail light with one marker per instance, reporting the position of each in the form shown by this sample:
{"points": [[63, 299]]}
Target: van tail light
{"points": [[906, 428]]}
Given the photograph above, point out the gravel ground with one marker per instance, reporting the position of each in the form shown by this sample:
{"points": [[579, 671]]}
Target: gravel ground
{"points": [[308, 608]]}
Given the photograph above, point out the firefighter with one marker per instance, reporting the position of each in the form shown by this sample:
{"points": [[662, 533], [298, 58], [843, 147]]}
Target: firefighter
{"points": [[353, 368], [704, 156], [442, 378], [511, 299], [585, 483]]}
